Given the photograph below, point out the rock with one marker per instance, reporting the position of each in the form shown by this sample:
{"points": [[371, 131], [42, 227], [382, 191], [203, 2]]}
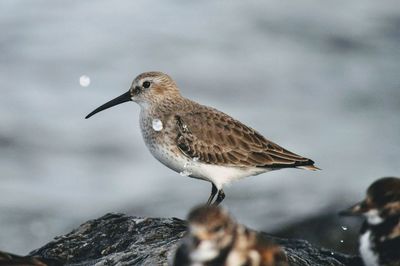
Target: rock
{"points": [[117, 239], [327, 230], [8, 259]]}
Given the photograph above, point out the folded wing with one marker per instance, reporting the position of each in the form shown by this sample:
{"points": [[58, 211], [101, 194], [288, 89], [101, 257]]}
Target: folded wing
{"points": [[213, 137]]}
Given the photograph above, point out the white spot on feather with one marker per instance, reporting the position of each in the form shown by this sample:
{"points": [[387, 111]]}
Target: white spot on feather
{"points": [[157, 124]]}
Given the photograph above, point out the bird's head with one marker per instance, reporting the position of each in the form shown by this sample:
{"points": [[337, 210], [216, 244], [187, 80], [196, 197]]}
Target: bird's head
{"points": [[382, 201], [211, 229], [146, 89]]}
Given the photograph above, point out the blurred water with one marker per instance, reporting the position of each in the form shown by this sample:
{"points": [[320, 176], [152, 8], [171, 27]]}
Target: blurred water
{"points": [[320, 78]]}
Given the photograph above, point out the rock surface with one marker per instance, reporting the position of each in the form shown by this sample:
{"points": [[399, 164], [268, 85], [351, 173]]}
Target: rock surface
{"points": [[117, 239], [326, 229]]}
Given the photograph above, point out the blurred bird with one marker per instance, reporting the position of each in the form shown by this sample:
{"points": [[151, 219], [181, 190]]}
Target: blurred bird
{"points": [[200, 141], [8, 259], [214, 238], [380, 233]]}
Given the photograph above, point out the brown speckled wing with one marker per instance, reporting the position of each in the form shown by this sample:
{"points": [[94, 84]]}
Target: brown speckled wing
{"points": [[216, 138]]}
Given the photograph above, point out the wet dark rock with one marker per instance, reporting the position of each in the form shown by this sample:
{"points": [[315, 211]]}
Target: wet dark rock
{"points": [[8, 259], [326, 230], [117, 239]]}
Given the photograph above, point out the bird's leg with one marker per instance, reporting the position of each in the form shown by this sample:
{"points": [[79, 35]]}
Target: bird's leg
{"points": [[220, 197], [214, 191]]}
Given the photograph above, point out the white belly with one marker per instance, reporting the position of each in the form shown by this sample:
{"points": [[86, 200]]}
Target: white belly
{"points": [[219, 175], [367, 254]]}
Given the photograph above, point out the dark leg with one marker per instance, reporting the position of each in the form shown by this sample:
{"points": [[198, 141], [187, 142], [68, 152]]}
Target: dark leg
{"points": [[214, 191], [220, 197]]}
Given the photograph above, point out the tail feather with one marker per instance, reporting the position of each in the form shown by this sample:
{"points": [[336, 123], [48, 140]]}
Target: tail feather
{"points": [[309, 167]]}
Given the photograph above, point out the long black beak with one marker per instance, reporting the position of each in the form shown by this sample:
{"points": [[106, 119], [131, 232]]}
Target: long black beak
{"points": [[354, 210], [126, 97]]}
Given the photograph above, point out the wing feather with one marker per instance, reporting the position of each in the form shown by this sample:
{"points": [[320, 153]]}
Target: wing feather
{"points": [[213, 137]]}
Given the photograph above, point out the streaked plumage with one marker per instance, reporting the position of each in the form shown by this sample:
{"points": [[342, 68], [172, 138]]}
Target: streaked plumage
{"points": [[216, 138], [199, 140], [214, 238], [380, 233]]}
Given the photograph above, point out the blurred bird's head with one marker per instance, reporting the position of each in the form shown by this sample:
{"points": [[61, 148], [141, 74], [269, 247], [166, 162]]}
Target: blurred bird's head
{"points": [[146, 89], [382, 201], [211, 230]]}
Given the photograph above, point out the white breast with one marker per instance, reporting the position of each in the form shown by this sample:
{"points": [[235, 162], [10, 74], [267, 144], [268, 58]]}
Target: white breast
{"points": [[206, 251], [367, 254]]}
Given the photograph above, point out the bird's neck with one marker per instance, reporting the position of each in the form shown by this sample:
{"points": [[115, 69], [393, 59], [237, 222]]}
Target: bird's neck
{"points": [[388, 224], [162, 106]]}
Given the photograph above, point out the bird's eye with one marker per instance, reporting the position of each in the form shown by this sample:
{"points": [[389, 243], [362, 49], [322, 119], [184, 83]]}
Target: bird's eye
{"points": [[146, 84], [217, 228]]}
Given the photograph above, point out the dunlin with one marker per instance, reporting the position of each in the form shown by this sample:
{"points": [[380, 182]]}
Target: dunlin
{"points": [[200, 141], [380, 233], [214, 238]]}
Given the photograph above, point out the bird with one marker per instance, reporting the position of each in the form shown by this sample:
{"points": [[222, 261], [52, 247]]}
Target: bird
{"points": [[379, 241], [215, 238], [8, 259], [199, 141]]}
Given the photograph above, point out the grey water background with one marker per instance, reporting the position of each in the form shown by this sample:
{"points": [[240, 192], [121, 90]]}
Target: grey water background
{"points": [[321, 78]]}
